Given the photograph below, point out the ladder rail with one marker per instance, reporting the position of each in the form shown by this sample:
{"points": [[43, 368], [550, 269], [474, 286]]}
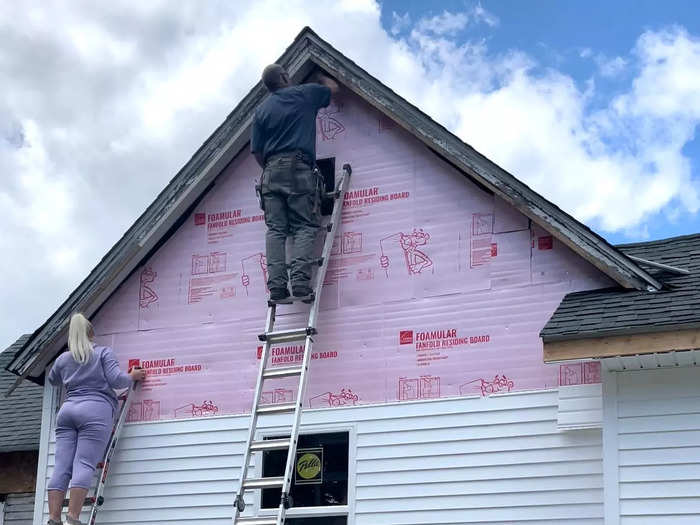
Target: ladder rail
{"points": [[328, 244], [294, 436], [269, 325], [97, 498]]}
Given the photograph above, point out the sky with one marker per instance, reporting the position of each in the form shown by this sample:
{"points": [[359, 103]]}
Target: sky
{"points": [[593, 104]]}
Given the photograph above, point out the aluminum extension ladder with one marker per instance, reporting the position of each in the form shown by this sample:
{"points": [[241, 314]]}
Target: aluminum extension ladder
{"points": [[270, 338], [97, 499]]}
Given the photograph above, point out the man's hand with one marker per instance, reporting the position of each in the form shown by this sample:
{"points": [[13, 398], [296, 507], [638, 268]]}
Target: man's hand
{"points": [[320, 78], [137, 374]]}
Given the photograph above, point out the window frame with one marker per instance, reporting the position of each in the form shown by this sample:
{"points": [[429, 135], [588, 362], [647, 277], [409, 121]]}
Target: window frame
{"points": [[314, 512]]}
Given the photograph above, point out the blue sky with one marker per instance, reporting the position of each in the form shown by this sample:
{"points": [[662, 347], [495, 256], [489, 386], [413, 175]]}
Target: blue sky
{"points": [[556, 34]]}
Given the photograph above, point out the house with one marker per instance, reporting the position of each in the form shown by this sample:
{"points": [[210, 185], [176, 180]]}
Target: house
{"points": [[20, 426], [646, 342], [430, 400]]}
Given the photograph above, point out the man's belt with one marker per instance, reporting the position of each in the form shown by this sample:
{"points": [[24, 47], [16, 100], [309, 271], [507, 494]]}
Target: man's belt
{"points": [[298, 154]]}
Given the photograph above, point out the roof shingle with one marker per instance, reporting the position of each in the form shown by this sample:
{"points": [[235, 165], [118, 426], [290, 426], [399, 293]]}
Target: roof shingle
{"points": [[20, 414], [616, 311]]}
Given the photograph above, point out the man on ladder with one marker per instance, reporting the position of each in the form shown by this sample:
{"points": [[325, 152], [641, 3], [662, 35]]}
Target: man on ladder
{"points": [[283, 141]]}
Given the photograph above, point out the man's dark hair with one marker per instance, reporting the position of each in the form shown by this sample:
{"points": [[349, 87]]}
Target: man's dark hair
{"points": [[274, 77]]}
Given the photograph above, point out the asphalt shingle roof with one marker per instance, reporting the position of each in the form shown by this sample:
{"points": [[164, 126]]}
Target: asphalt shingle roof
{"points": [[614, 311], [20, 414]]}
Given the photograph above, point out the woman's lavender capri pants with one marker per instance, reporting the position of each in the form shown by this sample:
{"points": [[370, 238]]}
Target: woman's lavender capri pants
{"points": [[83, 428]]}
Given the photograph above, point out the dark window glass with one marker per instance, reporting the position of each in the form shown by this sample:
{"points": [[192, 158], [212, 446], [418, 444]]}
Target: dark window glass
{"points": [[320, 477], [326, 520], [327, 169]]}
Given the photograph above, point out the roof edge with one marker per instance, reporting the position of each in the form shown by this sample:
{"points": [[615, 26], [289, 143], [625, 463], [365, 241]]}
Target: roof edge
{"points": [[659, 342], [600, 253]]}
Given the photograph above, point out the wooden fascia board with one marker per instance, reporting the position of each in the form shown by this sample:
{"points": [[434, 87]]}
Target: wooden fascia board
{"points": [[621, 345]]}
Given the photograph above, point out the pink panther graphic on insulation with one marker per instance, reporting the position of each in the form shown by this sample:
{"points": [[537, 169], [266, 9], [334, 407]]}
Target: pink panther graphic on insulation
{"points": [[329, 126], [498, 384], [146, 294], [259, 259], [416, 260], [207, 408], [346, 397]]}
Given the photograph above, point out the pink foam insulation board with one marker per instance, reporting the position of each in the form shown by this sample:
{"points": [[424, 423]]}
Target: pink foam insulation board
{"points": [[435, 288]]}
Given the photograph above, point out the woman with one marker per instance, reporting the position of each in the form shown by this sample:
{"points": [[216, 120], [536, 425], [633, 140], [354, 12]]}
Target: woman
{"points": [[84, 423]]}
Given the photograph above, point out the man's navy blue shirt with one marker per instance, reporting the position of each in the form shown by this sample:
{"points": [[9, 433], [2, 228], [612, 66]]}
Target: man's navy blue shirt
{"points": [[286, 120]]}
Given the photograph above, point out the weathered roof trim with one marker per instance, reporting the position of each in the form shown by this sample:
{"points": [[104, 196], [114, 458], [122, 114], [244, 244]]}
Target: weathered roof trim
{"points": [[197, 176], [568, 230], [656, 342], [614, 332]]}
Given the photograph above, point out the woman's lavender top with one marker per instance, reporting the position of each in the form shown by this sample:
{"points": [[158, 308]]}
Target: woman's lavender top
{"points": [[95, 379]]}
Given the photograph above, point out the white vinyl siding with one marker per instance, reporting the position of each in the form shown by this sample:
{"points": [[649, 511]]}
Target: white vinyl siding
{"points": [[18, 509], [580, 406], [452, 461], [657, 430]]}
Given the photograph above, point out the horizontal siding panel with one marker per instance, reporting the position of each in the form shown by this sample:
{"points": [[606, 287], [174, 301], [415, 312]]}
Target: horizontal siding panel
{"points": [[493, 472], [660, 439], [524, 457], [19, 509], [653, 519], [457, 433], [659, 407], [660, 456], [552, 512], [491, 486], [400, 450], [660, 473], [482, 501], [659, 446], [666, 506], [679, 488], [580, 406], [580, 419], [475, 460], [631, 425]]}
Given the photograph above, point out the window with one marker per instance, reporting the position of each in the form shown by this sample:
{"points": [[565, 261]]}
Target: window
{"points": [[327, 169], [320, 476]]}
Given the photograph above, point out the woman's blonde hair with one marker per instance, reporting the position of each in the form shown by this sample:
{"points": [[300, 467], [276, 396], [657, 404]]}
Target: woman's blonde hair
{"points": [[80, 334]]}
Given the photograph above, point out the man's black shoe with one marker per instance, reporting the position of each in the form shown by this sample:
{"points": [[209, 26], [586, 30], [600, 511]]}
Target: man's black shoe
{"points": [[305, 293], [278, 294]]}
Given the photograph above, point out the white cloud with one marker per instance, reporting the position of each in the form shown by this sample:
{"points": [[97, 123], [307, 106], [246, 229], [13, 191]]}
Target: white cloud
{"points": [[104, 102], [611, 67], [481, 14], [445, 23], [449, 24], [399, 22]]}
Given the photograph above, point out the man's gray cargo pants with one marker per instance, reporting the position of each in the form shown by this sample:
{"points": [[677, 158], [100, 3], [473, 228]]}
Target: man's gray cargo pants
{"points": [[291, 200]]}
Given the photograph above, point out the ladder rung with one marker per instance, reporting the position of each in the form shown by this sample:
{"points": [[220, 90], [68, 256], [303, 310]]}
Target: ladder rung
{"points": [[270, 444], [263, 483], [272, 520], [287, 336], [87, 503], [282, 371], [280, 408]]}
